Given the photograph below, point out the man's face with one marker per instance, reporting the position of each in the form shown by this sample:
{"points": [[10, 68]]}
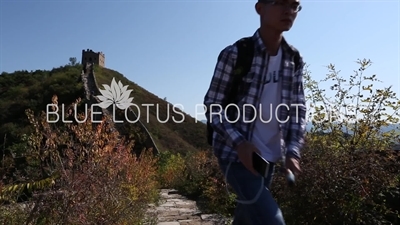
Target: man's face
{"points": [[279, 14]]}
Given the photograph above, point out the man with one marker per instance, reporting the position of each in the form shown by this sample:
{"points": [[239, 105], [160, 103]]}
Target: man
{"points": [[272, 80]]}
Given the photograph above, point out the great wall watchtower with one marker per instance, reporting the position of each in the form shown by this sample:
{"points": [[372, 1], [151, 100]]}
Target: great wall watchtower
{"points": [[89, 56]]}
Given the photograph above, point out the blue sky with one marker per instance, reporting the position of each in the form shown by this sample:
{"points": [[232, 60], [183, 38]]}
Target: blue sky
{"points": [[170, 47]]}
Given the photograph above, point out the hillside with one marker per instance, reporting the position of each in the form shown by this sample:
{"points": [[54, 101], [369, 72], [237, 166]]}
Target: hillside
{"points": [[185, 135], [21, 90]]}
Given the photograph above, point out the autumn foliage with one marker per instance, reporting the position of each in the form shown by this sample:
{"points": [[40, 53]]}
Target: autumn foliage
{"points": [[92, 177]]}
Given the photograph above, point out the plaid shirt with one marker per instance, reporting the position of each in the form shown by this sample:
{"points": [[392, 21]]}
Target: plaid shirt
{"points": [[228, 135]]}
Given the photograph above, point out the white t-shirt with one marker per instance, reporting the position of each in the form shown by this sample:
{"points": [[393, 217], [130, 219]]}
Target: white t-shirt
{"points": [[266, 136]]}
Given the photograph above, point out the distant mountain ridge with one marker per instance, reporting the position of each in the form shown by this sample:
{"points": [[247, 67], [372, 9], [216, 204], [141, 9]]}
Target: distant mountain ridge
{"points": [[388, 128], [384, 129]]}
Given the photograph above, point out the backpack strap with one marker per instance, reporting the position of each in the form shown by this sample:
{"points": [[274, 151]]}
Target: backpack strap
{"points": [[245, 49]]}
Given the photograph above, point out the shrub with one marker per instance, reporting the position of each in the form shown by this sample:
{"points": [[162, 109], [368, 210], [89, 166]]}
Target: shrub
{"points": [[88, 175], [197, 176], [347, 163], [170, 169]]}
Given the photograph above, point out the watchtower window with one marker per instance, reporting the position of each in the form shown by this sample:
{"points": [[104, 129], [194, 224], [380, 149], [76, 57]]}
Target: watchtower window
{"points": [[90, 59]]}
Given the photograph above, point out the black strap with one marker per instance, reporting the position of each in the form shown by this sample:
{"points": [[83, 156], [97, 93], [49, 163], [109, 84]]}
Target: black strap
{"points": [[245, 48]]}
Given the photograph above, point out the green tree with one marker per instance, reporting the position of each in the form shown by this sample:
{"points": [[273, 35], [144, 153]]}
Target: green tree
{"points": [[72, 61]]}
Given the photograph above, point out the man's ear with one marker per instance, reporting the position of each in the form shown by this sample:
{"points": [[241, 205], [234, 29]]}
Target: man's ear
{"points": [[258, 6]]}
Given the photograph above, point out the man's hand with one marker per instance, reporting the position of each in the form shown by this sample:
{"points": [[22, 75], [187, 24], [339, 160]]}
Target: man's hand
{"points": [[245, 154], [293, 165]]}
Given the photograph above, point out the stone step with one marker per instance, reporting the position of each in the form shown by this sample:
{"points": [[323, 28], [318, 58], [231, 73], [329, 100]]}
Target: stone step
{"points": [[175, 209]]}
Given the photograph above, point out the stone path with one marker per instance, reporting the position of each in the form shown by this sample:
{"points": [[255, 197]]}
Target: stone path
{"points": [[175, 209]]}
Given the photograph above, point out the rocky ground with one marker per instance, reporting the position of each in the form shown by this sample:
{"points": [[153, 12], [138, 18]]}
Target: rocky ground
{"points": [[175, 209]]}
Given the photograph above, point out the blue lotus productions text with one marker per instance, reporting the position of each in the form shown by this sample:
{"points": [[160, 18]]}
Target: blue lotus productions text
{"points": [[53, 109]]}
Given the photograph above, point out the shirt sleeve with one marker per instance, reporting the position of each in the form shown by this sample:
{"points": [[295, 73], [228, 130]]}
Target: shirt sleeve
{"points": [[216, 95], [298, 115]]}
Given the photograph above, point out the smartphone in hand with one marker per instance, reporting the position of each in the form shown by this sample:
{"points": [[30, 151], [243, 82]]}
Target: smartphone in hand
{"points": [[260, 164]]}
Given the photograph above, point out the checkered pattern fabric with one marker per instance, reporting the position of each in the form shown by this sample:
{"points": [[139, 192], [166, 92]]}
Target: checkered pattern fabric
{"points": [[292, 113]]}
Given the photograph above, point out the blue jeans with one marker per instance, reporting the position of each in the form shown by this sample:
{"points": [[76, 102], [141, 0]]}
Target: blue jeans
{"points": [[264, 211]]}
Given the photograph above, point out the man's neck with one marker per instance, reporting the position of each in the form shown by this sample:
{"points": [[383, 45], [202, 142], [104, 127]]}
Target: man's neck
{"points": [[271, 39]]}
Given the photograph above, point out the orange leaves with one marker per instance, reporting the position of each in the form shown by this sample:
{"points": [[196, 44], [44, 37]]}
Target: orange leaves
{"points": [[102, 181]]}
